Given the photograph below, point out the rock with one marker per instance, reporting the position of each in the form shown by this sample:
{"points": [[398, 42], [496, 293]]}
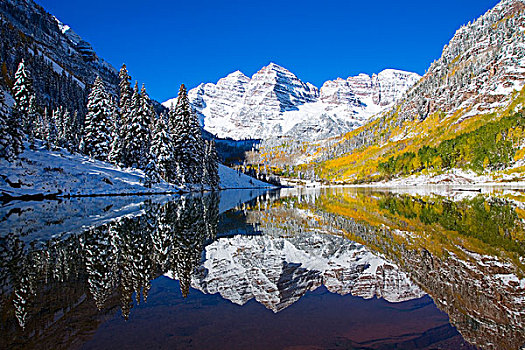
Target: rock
{"points": [[274, 103]]}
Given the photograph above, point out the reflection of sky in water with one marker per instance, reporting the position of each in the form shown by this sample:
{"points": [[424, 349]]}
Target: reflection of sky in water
{"points": [[320, 319], [263, 268]]}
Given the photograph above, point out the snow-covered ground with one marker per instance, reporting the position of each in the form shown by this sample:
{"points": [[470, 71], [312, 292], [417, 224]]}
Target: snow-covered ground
{"points": [[59, 172], [231, 178]]}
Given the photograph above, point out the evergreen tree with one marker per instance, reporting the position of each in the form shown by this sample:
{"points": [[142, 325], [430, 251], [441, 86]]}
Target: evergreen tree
{"points": [[34, 119], [151, 173], [139, 139], [97, 137], [6, 140], [14, 128], [162, 150], [125, 90], [211, 165], [187, 138], [121, 128], [71, 131], [45, 128], [115, 149], [53, 126], [22, 93]]}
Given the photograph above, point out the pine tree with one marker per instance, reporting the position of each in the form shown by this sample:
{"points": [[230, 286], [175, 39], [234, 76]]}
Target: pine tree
{"points": [[14, 128], [138, 139], [71, 131], [34, 118], [211, 165], [163, 151], [187, 137], [151, 173], [22, 93], [53, 126], [44, 129], [97, 137], [6, 140], [121, 129]]}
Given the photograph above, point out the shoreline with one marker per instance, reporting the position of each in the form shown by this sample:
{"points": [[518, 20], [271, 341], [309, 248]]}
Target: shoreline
{"points": [[6, 198]]}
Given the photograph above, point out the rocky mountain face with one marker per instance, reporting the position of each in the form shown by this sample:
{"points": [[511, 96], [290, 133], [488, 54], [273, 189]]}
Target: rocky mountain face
{"points": [[479, 69], [274, 102], [277, 271], [61, 63]]}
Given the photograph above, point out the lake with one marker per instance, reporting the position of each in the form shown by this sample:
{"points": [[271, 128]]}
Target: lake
{"points": [[333, 268]]}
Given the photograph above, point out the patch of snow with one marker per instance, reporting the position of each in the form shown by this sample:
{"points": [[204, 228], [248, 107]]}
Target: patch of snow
{"points": [[231, 178]]}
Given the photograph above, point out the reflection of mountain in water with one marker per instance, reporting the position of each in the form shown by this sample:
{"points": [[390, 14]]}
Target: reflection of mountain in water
{"points": [[468, 254], [58, 290], [277, 271]]}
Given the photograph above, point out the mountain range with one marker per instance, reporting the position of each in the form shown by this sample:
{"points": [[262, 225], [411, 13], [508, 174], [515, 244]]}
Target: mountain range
{"points": [[464, 116], [274, 102]]}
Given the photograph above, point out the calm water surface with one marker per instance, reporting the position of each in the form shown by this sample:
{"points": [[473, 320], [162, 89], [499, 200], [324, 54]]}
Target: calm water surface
{"points": [[289, 269]]}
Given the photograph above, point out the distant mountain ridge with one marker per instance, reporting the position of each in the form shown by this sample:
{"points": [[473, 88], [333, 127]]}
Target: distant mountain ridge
{"points": [[274, 102]]}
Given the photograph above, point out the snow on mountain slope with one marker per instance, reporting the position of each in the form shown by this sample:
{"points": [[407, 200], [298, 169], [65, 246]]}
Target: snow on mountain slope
{"points": [[479, 71], [274, 102], [277, 271]]}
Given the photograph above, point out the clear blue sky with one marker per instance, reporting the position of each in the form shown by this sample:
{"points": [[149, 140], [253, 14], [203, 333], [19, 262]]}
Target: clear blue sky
{"points": [[168, 42]]}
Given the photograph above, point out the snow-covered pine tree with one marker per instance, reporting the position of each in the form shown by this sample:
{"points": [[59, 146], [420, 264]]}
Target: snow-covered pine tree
{"points": [[59, 115], [22, 92], [138, 140], [53, 127], [44, 128], [115, 149], [97, 137], [5, 136], [163, 151], [69, 137], [187, 137], [14, 128], [117, 153], [151, 173], [115, 116], [125, 88], [212, 165], [34, 118]]}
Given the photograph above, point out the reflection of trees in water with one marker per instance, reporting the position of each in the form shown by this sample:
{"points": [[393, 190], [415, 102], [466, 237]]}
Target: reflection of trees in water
{"points": [[109, 263], [456, 251]]}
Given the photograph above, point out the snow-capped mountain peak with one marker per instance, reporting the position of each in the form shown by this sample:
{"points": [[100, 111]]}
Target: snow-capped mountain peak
{"points": [[274, 102]]}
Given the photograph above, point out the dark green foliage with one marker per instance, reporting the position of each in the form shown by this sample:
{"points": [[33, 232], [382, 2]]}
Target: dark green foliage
{"points": [[491, 220], [486, 148], [211, 165], [121, 124], [138, 136]]}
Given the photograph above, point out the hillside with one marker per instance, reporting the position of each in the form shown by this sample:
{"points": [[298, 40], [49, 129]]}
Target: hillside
{"points": [[465, 113], [42, 172], [62, 63]]}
